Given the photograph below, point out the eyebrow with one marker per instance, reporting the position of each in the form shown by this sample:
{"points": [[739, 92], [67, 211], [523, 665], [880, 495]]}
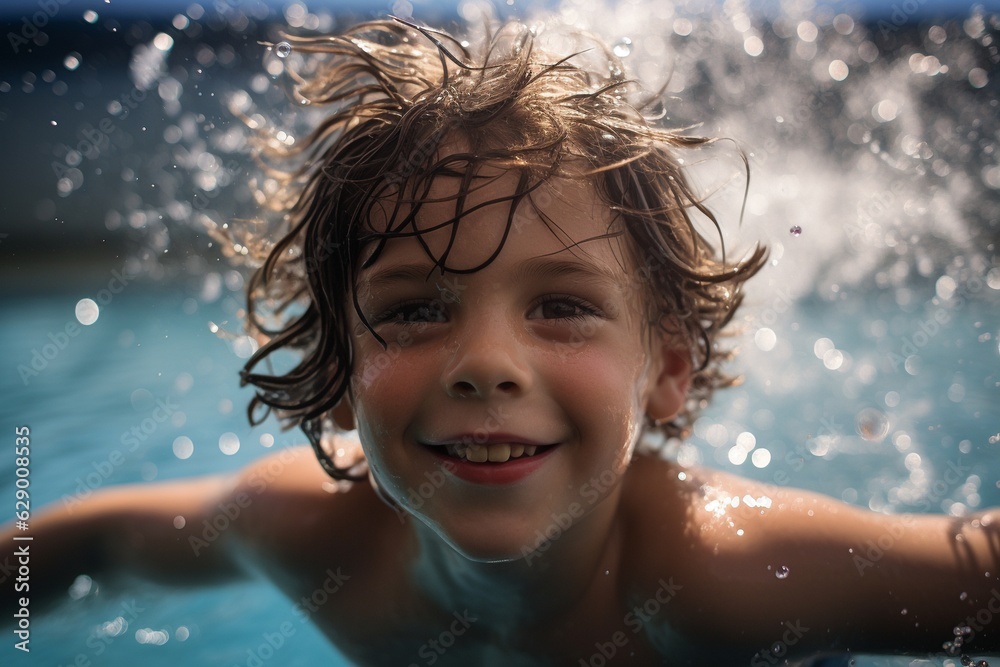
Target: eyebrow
{"points": [[549, 268], [536, 268], [401, 273]]}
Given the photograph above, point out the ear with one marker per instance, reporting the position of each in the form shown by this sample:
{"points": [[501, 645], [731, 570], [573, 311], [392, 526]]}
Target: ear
{"points": [[670, 386], [343, 414]]}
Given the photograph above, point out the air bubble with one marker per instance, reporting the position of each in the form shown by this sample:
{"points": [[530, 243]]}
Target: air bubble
{"points": [[795, 231], [282, 49], [183, 447], [782, 572], [872, 424], [87, 311], [229, 443]]}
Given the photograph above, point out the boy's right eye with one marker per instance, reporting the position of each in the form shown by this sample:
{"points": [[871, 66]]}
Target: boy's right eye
{"points": [[412, 312]]}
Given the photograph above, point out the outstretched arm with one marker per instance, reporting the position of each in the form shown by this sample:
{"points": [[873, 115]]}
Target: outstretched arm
{"points": [[158, 531], [770, 574], [817, 574], [888, 583]]}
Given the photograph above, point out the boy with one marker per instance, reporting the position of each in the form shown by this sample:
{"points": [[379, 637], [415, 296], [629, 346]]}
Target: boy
{"points": [[490, 271]]}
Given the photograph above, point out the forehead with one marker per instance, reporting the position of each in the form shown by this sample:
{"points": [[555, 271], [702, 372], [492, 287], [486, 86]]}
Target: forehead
{"points": [[465, 223]]}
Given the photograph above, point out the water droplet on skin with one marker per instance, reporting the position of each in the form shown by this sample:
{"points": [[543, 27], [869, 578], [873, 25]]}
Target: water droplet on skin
{"points": [[282, 49], [782, 572], [795, 231]]}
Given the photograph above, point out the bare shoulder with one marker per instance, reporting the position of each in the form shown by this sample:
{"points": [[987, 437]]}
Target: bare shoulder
{"points": [[289, 508], [759, 542], [777, 563]]}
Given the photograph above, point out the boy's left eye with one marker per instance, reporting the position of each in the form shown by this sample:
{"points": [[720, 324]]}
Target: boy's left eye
{"points": [[562, 308]]}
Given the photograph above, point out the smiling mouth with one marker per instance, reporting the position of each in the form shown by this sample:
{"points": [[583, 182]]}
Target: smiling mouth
{"points": [[500, 452]]}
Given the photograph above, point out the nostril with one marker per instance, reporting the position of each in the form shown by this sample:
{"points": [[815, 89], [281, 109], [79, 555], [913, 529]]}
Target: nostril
{"points": [[506, 386], [463, 387]]}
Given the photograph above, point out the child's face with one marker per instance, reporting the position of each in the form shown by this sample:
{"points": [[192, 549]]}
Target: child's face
{"points": [[543, 346]]}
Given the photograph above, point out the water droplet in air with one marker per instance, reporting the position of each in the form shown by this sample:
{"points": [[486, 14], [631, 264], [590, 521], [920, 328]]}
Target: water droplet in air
{"points": [[623, 47], [87, 311], [795, 231], [782, 572], [872, 424], [963, 596], [283, 49]]}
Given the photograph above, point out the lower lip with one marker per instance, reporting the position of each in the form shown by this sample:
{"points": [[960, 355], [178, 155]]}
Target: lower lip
{"points": [[508, 472]]}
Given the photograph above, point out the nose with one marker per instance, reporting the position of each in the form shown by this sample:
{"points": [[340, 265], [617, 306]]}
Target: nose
{"points": [[487, 362]]}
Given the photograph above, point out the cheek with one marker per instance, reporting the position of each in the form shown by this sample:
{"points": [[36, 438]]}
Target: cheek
{"points": [[386, 382], [602, 389]]}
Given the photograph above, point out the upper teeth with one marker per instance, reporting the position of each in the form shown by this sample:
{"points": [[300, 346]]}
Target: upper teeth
{"points": [[497, 453]]}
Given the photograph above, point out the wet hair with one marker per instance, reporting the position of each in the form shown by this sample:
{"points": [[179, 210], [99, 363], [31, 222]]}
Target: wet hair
{"points": [[396, 92]]}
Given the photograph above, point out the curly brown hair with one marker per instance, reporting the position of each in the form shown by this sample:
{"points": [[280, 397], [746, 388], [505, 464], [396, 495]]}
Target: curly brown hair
{"points": [[395, 92]]}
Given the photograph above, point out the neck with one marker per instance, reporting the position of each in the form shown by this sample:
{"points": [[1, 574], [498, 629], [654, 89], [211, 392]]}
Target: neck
{"points": [[549, 582]]}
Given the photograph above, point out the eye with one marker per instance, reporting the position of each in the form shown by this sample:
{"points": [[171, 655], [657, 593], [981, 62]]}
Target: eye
{"points": [[554, 307], [409, 312]]}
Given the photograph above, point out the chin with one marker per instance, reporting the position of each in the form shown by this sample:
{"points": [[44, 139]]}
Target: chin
{"points": [[484, 541]]}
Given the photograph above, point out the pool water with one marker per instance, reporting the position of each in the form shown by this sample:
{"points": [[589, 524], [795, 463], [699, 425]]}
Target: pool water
{"points": [[97, 396]]}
